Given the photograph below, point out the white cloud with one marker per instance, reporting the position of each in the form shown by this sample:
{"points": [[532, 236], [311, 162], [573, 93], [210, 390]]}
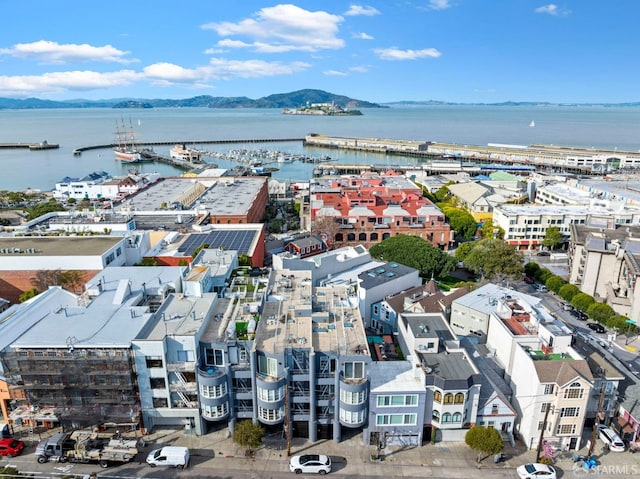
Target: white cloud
{"points": [[361, 10], [362, 36], [552, 9], [438, 4], [260, 47], [223, 69], [55, 53], [360, 68], [284, 28], [62, 81], [396, 54], [171, 73], [335, 73]]}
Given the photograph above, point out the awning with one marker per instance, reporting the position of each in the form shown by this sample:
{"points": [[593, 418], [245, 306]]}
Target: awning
{"points": [[625, 427]]}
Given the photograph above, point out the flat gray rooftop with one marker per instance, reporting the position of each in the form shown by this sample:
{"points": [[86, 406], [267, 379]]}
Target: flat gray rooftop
{"points": [[58, 245]]}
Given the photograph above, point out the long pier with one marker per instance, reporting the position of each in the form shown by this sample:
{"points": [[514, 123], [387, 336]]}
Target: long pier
{"points": [[78, 151], [42, 145]]}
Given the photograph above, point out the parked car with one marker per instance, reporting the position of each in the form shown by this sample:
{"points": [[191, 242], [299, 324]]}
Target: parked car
{"points": [[528, 280], [579, 315], [610, 438], [10, 447], [543, 253], [310, 463], [598, 328], [535, 470], [542, 288]]}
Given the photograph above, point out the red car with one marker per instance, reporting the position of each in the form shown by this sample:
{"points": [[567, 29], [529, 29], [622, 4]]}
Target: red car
{"points": [[527, 280], [11, 447]]}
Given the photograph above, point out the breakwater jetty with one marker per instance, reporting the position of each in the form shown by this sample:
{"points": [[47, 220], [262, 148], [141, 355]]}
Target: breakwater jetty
{"points": [[43, 145]]}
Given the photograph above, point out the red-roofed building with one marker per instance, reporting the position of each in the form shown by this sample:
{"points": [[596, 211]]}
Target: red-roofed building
{"points": [[370, 208]]}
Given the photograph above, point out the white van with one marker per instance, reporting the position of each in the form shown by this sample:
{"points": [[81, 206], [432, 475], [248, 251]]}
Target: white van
{"points": [[175, 456]]}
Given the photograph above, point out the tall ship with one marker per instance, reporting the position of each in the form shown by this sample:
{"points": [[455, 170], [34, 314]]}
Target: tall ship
{"points": [[126, 147]]}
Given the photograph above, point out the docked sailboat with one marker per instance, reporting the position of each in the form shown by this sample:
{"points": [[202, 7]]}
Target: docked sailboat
{"points": [[126, 148], [532, 124]]}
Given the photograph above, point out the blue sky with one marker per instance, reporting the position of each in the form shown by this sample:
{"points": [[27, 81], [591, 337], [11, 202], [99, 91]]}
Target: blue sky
{"points": [[468, 51]]}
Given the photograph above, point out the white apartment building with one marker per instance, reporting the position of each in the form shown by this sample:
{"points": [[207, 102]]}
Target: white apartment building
{"points": [[470, 314], [526, 225], [604, 263], [551, 381]]}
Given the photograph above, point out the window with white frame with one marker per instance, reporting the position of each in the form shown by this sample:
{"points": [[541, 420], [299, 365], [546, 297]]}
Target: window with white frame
{"points": [[566, 429], [548, 388], [544, 406], [397, 400], [351, 397], [570, 412], [268, 366], [351, 417], [270, 395], [213, 392], [214, 357], [215, 412], [396, 419], [353, 370], [270, 414], [574, 391]]}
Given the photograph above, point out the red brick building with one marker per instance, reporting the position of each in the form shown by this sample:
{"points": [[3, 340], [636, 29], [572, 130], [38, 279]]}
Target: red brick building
{"points": [[367, 209]]}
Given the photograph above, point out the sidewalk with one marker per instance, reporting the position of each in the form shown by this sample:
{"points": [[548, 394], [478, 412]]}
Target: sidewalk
{"points": [[451, 460]]}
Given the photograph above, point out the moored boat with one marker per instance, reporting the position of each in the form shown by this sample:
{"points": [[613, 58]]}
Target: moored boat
{"points": [[126, 149], [183, 153]]}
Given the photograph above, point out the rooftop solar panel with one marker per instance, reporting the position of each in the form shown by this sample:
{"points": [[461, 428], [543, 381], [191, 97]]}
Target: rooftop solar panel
{"points": [[230, 240]]}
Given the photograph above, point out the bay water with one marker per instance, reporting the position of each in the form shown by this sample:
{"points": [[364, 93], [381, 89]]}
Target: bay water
{"points": [[613, 127]]}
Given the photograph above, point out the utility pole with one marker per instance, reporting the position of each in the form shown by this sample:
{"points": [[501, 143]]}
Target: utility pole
{"points": [[286, 418], [544, 426], [594, 433]]}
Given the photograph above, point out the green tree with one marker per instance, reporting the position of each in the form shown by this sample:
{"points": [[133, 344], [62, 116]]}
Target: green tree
{"points": [[600, 312], [461, 222], [489, 230], [42, 208], [532, 269], [463, 250], [582, 301], [485, 440], [147, 262], [568, 291], [28, 294], [443, 193], [248, 434], [554, 283], [619, 323], [494, 259], [244, 260], [415, 252], [553, 237]]}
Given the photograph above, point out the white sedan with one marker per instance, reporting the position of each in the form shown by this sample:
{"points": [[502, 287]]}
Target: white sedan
{"points": [[310, 463], [536, 470]]}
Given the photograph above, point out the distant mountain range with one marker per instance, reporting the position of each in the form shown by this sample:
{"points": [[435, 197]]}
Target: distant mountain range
{"points": [[281, 100], [507, 103], [293, 99]]}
